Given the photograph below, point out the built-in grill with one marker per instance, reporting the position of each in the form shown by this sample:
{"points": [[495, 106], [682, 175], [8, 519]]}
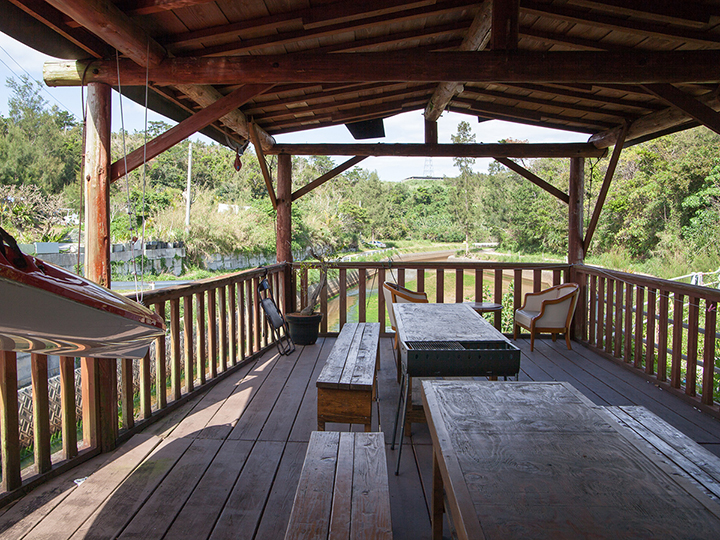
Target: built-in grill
{"points": [[461, 358]]}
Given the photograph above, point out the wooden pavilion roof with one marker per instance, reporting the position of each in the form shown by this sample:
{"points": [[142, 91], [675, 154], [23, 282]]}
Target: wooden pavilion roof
{"points": [[579, 65]]}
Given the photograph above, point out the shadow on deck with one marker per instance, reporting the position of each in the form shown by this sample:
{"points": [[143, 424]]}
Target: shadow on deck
{"points": [[226, 465]]}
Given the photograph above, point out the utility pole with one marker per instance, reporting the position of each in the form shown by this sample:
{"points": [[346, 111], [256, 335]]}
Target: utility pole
{"points": [[189, 199]]}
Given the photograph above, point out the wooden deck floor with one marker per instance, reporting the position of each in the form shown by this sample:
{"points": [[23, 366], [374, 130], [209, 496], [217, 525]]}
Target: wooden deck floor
{"points": [[226, 465]]}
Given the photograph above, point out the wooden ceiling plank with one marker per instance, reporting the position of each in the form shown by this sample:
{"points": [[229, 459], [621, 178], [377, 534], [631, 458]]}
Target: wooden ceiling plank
{"points": [[55, 19], [494, 150], [263, 165], [148, 7], [535, 179], [593, 98], [248, 45], [651, 123], [484, 116], [184, 129], [327, 176], [605, 187], [688, 104], [634, 67], [505, 24], [616, 23], [672, 11], [476, 39], [103, 18]]}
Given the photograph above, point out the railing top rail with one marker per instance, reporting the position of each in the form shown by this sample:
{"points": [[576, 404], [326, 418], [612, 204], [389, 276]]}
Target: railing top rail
{"points": [[652, 282], [465, 265], [207, 284]]}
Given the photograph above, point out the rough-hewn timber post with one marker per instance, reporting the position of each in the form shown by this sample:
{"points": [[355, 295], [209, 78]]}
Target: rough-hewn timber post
{"points": [[284, 225], [431, 132], [576, 252], [98, 376]]}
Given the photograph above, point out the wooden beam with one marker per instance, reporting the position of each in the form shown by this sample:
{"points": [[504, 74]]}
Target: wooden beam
{"points": [[206, 95], [477, 38], [263, 165], [186, 128], [105, 19], [516, 150], [651, 123], [521, 66], [688, 104], [522, 171], [605, 187], [505, 24], [327, 176]]}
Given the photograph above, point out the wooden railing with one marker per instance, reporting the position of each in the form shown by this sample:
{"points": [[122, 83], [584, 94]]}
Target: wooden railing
{"points": [[214, 326], [660, 328]]}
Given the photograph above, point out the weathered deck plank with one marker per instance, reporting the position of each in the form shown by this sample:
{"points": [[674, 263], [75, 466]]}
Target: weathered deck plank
{"points": [[226, 464]]}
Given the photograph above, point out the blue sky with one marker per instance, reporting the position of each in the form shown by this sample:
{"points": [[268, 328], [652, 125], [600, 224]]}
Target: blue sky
{"points": [[16, 59]]}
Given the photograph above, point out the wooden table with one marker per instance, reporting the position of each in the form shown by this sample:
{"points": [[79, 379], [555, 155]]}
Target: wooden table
{"points": [[446, 324], [488, 307], [539, 460]]}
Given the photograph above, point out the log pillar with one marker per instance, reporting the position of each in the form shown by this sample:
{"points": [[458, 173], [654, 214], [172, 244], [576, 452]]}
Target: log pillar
{"points": [[283, 237], [99, 377], [576, 251], [431, 132]]}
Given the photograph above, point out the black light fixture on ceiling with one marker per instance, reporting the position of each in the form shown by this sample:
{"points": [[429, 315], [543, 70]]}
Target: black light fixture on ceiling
{"points": [[367, 129]]}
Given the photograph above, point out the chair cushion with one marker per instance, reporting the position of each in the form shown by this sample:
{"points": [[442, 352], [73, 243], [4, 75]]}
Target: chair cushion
{"points": [[523, 316]]}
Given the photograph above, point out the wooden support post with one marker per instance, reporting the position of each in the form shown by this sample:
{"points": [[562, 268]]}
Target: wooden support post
{"points": [[99, 377], [431, 132], [9, 430], [576, 253], [283, 239]]}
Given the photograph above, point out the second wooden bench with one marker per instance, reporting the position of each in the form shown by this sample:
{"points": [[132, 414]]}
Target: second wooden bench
{"points": [[347, 384]]}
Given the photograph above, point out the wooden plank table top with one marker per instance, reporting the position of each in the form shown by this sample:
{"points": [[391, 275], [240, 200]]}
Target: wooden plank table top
{"points": [[538, 460]]}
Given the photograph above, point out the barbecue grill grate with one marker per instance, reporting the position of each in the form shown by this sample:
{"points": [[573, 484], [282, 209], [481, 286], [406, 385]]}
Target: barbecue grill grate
{"points": [[435, 345]]}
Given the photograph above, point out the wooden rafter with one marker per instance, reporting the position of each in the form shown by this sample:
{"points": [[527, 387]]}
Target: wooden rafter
{"points": [[184, 129], [263, 164], [687, 12], [484, 116], [103, 18], [495, 150], [641, 106], [476, 39], [688, 104], [634, 67], [327, 176], [535, 179], [651, 123], [505, 24], [605, 187]]}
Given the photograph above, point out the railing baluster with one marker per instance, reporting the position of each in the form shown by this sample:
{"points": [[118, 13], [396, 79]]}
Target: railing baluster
{"points": [[175, 381], [498, 295], [9, 428], [145, 387], [343, 297], [618, 318], [250, 317], [650, 334], [232, 311], [381, 299], [537, 279], [201, 344], [421, 279], [222, 334], [677, 341], [188, 343], [324, 308], [212, 332], [662, 336], [629, 290], [67, 406], [41, 412], [362, 294], [304, 281], [257, 322], [126, 389], [241, 317], [639, 308], [601, 312], [517, 289], [478, 284], [692, 345], [609, 316], [459, 286], [593, 309], [709, 353], [160, 359], [401, 277], [557, 279], [440, 280]]}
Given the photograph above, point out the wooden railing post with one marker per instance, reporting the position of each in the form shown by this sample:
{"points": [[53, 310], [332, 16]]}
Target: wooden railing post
{"points": [[9, 431]]}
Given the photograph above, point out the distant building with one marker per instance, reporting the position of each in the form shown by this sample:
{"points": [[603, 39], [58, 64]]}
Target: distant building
{"points": [[422, 179]]}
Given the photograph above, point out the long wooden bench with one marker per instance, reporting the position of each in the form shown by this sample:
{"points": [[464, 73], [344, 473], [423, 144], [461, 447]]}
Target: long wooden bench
{"points": [[347, 384], [343, 489], [671, 448]]}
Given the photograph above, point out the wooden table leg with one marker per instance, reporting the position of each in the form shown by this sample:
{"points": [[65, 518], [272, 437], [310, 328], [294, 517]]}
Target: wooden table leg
{"points": [[437, 500]]}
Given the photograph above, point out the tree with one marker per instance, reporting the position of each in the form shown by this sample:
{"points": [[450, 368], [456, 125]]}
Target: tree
{"points": [[463, 195]]}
